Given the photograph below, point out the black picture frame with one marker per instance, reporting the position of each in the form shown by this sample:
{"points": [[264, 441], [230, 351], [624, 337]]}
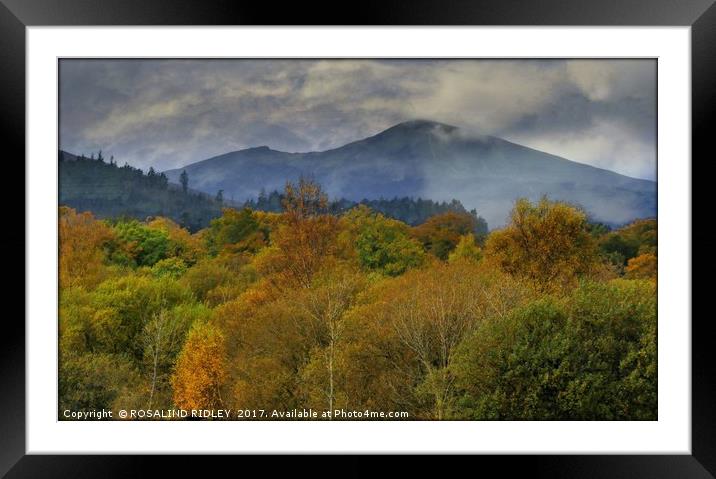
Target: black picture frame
{"points": [[16, 15]]}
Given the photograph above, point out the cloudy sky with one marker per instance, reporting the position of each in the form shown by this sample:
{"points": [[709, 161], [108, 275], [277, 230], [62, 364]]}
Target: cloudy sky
{"points": [[169, 113]]}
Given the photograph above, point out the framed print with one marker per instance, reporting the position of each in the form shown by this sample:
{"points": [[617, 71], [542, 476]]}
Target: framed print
{"points": [[433, 231]]}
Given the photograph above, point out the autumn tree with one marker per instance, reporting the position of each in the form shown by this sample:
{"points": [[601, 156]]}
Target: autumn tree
{"points": [[163, 337], [269, 337], [237, 230], [630, 241], [325, 304], [428, 312], [83, 241], [548, 243], [304, 199], [441, 233], [643, 266], [466, 250], [220, 279], [200, 369], [306, 239], [375, 369]]}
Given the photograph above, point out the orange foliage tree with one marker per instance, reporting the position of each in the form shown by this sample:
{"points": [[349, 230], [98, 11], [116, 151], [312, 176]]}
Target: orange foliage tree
{"points": [[643, 266], [441, 233], [201, 369], [307, 238], [82, 240]]}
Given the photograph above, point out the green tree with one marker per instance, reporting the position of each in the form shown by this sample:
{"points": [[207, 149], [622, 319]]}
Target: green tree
{"points": [[119, 310], [382, 244], [137, 244], [591, 356], [634, 239], [88, 382], [169, 267], [238, 230]]}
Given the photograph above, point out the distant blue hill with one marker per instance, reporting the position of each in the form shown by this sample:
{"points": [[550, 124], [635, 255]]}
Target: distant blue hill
{"points": [[436, 161], [111, 191]]}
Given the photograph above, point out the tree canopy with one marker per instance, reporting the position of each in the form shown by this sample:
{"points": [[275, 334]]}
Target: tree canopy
{"points": [[548, 318]]}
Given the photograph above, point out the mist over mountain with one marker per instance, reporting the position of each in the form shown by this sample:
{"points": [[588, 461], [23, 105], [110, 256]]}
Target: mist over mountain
{"points": [[431, 160]]}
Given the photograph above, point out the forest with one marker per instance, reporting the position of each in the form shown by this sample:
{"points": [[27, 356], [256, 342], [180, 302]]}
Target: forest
{"points": [[551, 317], [97, 184], [412, 211]]}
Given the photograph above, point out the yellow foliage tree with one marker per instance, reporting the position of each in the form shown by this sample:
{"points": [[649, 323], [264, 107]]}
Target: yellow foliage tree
{"points": [[643, 266], [82, 239], [325, 305], [466, 250], [188, 247], [201, 369], [547, 243], [404, 337]]}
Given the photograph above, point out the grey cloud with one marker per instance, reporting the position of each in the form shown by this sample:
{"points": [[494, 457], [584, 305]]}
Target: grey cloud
{"points": [[168, 113]]}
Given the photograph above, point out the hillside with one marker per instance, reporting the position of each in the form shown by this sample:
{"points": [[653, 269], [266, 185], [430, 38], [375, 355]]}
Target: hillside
{"points": [[431, 160], [111, 191]]}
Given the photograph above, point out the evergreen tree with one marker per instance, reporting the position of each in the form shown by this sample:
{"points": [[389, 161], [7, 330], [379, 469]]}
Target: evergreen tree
{"points": [[184, 178]]}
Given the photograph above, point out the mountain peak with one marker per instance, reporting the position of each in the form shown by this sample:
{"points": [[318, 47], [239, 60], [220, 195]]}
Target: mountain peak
{"points": [[428, 159], [421, 125]]}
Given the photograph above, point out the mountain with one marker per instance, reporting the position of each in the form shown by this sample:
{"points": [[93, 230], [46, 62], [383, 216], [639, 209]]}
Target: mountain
{"points": [[109, 191], [436, 161]]}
